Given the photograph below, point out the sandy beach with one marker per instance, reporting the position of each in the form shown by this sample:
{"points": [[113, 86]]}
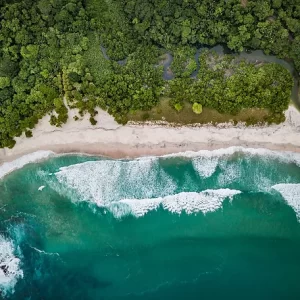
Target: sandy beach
{"points": [[111, 139]]}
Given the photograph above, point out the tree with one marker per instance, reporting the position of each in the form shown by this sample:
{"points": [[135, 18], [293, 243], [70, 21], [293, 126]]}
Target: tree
{"points": [[4, 82]]}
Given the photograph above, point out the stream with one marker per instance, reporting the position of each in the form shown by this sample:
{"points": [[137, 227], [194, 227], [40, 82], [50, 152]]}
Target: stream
{"points": [[255, 56]]}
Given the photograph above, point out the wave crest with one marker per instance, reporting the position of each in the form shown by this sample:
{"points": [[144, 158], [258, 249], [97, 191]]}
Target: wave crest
{"points": [[188, 202], [107, 181]]}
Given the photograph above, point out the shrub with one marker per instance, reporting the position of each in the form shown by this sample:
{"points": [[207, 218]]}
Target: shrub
{"points": [[28, 133], [197, 108], [93, 121], [178, 107]]}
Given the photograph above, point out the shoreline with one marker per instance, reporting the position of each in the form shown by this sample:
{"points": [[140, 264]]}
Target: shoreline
{"points": [[110, 139], [121, 151]]}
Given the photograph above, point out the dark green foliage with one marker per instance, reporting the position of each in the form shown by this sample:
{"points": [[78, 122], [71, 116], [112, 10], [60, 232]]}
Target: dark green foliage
{"points": [[93, 121], [28, 133], [270, 25], [184, 63], [64, 53], [38, 39], [228, 85], [134, 86]]}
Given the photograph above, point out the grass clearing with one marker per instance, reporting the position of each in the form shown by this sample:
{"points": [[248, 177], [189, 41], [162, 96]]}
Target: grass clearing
{"points": [[164, 112]]}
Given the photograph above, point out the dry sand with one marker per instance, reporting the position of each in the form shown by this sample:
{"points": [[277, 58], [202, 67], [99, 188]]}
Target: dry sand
{"points": [[111, 139]]}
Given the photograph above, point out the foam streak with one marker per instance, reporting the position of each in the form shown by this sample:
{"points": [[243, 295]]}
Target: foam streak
{"points": [[19, 163]]}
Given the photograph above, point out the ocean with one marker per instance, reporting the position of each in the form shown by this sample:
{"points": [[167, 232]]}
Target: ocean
{"points": [[220, 224]]}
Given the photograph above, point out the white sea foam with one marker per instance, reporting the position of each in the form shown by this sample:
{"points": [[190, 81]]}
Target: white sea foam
{"points": [[189, 202], [291, 193], [230, 173], [10, 270], [205, 163], [19, 163], [135, 187], [44, 252], [284, 156], [107, 181], [205, 166]]}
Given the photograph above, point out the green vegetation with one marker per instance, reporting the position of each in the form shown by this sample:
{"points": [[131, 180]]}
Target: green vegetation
{"points": [[270, 25], [60, 53], [184, 63], [41, 50], [229, 85], [162, 112], [197, 108], [178, 107]]}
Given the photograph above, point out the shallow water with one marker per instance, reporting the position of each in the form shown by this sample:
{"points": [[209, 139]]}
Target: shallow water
{"points": [[199, 225]]}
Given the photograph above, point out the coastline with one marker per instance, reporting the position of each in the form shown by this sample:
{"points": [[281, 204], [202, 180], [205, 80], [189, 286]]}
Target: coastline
{"points": [[107, 138]]}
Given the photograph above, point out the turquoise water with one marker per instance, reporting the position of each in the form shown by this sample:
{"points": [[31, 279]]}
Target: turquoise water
{"points": [[212, 225]]}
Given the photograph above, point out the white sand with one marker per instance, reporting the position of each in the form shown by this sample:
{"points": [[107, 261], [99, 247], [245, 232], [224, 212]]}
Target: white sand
{"points": [[111, 139]]}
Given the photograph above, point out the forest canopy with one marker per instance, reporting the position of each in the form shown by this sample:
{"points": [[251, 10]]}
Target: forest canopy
{"points": [[84, 54]]}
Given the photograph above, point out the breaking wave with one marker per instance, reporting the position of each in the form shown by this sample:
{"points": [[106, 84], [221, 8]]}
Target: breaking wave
{"points": [[135, 187], [188, 202], [205, 163], [291, 193], [10, 270], [106, 181]]}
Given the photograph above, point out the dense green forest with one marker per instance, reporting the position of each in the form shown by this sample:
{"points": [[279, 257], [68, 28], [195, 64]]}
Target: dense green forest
{"points": [[109, 53]]}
